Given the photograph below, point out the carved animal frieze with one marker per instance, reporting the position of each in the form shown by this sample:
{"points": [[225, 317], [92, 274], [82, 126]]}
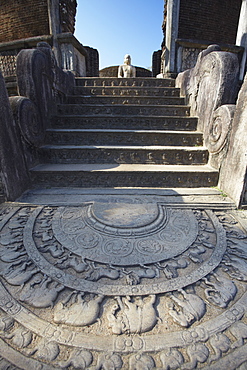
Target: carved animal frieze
{"points": [[171, 359], [73, 297], [78, 358], [21, 337], [188, 309], [141, 362], [239, 331], [221, 290], [198, 353], [129, 315], [109, 361], [45, 350], [78, 311], [236, 267], [41, 292], [220, 344], [19, 272]]}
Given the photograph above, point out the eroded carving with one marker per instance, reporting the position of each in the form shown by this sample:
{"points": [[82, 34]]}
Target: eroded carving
{"points": [[77, 311], [132, 316], [171, 359], [189, 309], [109, 362], [221, 344], [79, 359], [141, 361], [198, 353], [221, 291], [41, 292], [239, 331]]}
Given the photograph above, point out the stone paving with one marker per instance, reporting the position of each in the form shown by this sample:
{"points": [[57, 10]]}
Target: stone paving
{"points": [[123, 279]]}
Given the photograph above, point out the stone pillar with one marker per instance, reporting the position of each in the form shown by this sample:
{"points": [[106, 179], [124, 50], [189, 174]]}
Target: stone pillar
{"points": [[173, 7], [241, 39], [54, 26]]}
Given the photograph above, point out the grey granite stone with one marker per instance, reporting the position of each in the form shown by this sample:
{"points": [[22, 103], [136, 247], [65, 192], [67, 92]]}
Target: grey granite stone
{"points": [[123, 280]]}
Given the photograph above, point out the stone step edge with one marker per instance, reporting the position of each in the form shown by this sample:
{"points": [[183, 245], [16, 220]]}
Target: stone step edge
{"points": [[117, 131], [100, 96], [127, 147], [123, 115], [169, 106], [208, 197], [173, 88], [122, 168]]}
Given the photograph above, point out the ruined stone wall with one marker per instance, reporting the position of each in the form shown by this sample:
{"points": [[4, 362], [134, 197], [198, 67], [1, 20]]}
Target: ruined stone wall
{"points": [[67, 15], [215, 21], [23, 18]]}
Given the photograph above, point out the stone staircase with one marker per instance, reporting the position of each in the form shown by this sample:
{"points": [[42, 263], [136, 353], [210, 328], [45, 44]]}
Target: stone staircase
{"points": [[124, 133]]}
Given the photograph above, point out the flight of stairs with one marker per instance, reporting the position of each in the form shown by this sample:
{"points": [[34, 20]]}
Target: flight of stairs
{"points": [[124, 133]]}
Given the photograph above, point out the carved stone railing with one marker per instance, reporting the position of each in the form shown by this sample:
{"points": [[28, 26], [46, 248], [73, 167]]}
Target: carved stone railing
{"points": [[187, 52], [24, 118], [233, 172], [211, 89], [13, 167], [43, 83]]}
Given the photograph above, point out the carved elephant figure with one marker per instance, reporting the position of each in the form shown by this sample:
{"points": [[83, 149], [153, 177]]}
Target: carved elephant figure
{"points": [[133, 317], [109, 362], [79, 359], [41, 294], [79, 312], [237, 268], [141, 362], [46, 350], [239, 331], [171, 359], [197, 353], [221, 291], [21, 337], [220, 344], [191, 308]]}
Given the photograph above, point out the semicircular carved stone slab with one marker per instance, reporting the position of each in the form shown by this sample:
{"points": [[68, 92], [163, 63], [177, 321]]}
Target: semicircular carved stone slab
{"points": [[83, 287], [168, 235]]}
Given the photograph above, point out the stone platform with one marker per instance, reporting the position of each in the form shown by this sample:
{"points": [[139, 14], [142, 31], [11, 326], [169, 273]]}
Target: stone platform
{"points": [[123, 279]]}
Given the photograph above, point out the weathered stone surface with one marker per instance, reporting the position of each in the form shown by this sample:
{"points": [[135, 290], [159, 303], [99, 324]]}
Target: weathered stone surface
{"points": [[113, 81], [95, 136], [14, 172], [42, 81], [127, 175], [216, 76], [234, 167], [125, 122], [128, 154], [122, 282]]}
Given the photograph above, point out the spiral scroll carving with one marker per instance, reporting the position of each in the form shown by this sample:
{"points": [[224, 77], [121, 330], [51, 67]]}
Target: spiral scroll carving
{"points": [[217, 132], [28, 120]]}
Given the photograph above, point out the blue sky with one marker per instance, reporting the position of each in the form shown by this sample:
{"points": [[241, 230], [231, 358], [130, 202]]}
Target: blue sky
{"points": [[119, 27]]}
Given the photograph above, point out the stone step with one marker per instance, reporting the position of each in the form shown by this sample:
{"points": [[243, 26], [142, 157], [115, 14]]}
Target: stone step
{"points": [[123, 122], [123, 110], [126, 91], [124, 154], [113, 175], [11, 85], [122, 137], [130, 82], [130, 100]]}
